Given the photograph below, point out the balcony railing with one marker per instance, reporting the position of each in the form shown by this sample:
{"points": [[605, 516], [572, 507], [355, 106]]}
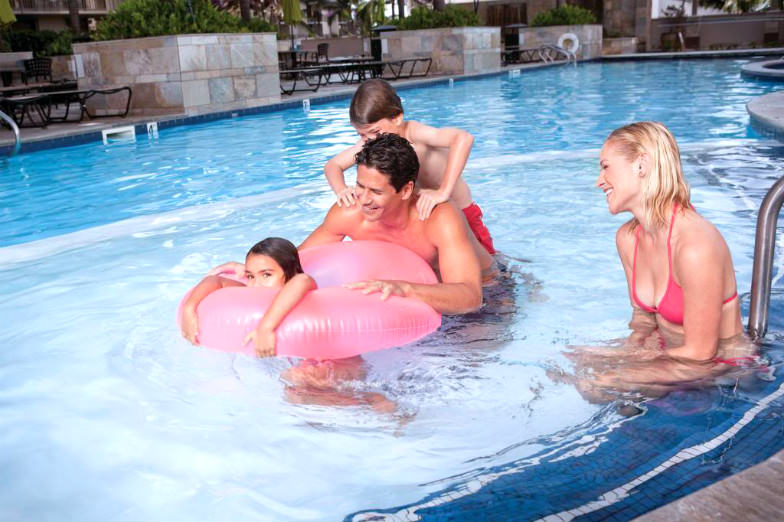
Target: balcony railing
{"points": [[61, 6]]}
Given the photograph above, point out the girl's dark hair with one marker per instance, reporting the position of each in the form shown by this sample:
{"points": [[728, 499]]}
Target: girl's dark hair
{"points": [[374, 100], [393, 156], [282, 251]]}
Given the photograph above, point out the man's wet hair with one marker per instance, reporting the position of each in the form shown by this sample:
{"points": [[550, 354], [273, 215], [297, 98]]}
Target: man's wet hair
{"points": [[393, 156]]}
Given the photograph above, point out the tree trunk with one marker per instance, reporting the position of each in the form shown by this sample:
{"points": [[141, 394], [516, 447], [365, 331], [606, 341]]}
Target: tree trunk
{"points": [[439, 5], [245, 10], [73, 16], [401, 8]]}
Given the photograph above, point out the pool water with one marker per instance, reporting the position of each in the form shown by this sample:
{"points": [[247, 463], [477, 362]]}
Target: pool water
{"points": [[107, 413]]}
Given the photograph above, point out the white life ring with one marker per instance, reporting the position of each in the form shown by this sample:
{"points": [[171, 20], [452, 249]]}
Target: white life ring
{"points": [[572, 40]]}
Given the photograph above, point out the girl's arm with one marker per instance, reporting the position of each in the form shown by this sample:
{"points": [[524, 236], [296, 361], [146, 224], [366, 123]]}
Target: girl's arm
{"points": [[290, 295], [190, 320], [232, 266], [459, 143], [334, 170]]}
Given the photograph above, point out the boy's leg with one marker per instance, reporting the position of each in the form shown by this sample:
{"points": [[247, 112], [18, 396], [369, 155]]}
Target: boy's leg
{"points": [[474, 216]]}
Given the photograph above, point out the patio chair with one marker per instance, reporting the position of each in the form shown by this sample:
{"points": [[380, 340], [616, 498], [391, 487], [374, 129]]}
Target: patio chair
{"points": [[322, 53], [38, 68]]}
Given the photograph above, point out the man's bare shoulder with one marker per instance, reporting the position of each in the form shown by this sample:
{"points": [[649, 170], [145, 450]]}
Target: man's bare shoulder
{"points": [[344, 215], [445, 220]]}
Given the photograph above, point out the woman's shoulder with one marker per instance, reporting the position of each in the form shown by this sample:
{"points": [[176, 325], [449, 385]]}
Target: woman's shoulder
{"points": [[696, 238], [624, 241], [624, 236], [694, 228]]}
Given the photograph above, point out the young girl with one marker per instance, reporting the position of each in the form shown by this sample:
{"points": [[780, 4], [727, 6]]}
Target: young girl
{"points": [[271, 263], [274, 263], [376, 109]]}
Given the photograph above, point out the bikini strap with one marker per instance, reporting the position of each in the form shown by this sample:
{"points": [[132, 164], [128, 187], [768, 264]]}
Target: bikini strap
{"points": [[669, 235], [634, 260]]}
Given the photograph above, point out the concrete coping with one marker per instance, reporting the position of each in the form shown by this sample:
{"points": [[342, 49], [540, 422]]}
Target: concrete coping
{"points": [[766, 113], [767, 69], [728, 53]]}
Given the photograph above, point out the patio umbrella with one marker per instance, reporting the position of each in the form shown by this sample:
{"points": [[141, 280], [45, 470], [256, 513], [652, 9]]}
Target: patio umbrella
{"points": [[292, 13], [6, 13]]}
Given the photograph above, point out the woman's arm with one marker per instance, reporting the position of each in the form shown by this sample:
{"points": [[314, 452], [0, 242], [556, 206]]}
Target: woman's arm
{"points": [[459, 143], [290, 295], [190, 320], [698, 264], [642, 323]]}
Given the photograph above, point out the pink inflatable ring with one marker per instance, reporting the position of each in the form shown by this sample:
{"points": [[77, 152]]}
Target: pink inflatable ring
{"points": [[330, 322]]}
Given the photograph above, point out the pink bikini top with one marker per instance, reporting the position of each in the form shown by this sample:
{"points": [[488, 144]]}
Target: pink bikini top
{"points": [[671, 305]]}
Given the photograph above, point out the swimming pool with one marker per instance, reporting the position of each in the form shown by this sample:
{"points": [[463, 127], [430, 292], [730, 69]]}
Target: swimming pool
{"points": [[108, 414]]}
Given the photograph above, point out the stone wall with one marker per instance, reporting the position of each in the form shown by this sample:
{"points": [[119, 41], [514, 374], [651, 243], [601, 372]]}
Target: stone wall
{"points": [[718, 31], [626, 45], [620, 18], [539, 6], [339, 47], [63, 68], [188, 74], [589, 35], [454, 50]]}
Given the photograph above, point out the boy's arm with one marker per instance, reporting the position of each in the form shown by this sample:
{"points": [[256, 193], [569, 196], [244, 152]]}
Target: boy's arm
{"points": [[289, 296], [334, 170], [459, 143]]}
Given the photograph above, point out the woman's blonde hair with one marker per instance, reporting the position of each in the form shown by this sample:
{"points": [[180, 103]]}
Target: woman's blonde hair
{"points": [[664, 185]]}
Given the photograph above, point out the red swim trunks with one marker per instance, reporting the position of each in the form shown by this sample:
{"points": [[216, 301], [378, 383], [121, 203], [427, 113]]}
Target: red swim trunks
{"points": [[474, 216]]}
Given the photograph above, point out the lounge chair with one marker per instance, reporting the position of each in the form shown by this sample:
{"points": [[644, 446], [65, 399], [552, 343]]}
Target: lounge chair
{"points": [[38, 106], [308, 79]]}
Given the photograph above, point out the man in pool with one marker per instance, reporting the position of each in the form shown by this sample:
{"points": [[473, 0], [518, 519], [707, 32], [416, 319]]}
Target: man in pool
{"points": [[387, 168]]}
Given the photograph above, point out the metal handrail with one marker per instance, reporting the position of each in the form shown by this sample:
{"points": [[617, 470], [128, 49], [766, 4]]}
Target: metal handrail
{"points": [[764, 247], [570, 56], [14, 127]]}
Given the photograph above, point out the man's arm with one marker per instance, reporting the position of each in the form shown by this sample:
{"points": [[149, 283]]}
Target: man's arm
{"points": [[332, 230], [460, 290]]}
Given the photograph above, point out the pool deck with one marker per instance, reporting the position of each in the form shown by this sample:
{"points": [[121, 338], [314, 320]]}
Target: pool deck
{"points": [[767, 114], [751, 495], [89, 130], [767, 118]]}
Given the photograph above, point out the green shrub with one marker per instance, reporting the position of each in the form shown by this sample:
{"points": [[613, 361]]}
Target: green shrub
{"points": [[140, 18], [564, 15], [424, 18], [41, 43]]}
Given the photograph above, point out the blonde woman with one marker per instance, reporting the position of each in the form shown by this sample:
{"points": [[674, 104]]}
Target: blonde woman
{"points": [[678, 267]]}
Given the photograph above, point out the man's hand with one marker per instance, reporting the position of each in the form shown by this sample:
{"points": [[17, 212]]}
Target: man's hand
{"points": [[238, 269], [347, 197], [386, 288], [190, 324], [263, 341], [427, 201]]}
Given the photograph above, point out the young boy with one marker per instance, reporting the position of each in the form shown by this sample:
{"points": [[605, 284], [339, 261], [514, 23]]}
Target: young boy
{"points": [[376, 109]]}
